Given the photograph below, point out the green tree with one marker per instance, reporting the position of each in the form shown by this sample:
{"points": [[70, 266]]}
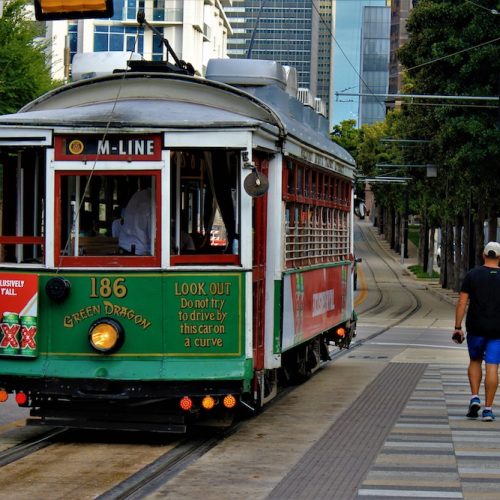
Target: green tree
{"points": [[24, 72], [453, 49], [368, 149]]}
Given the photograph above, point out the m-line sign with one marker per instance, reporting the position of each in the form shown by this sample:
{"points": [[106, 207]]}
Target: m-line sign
{"points": [[108, 147]]}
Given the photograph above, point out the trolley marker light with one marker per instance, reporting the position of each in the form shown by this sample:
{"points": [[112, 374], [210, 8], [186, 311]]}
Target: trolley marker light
{"points": [[4, 395], [186, 403], [48, 10], [106, 335], [21, 398], [208, 402], [340, 332], [229, 401]]}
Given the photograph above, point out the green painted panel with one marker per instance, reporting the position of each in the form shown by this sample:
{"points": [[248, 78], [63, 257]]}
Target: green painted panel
{"points": [[133, 300], [178, 326], [205, 314]]}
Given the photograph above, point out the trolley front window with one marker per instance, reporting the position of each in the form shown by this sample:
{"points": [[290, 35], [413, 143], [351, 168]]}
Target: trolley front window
{"points": [[107, 219]]}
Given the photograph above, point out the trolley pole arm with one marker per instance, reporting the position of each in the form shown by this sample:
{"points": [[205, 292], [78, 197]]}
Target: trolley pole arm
{"points": [[141, 19]]}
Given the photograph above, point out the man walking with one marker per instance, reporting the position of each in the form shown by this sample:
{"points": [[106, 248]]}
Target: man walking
{"points": [[481, 290]]}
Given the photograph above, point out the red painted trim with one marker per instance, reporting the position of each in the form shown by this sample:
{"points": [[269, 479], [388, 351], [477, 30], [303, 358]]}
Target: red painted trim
{"points": [[108, 261], [105, 260], [208, 259], [259, 224], [23, 240]]}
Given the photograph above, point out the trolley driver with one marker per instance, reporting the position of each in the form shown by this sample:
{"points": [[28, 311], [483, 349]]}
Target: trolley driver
{"points": [[135, 234]]}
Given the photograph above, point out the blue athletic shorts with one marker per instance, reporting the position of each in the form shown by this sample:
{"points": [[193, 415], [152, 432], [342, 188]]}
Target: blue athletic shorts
{"points": [[484, 348]]}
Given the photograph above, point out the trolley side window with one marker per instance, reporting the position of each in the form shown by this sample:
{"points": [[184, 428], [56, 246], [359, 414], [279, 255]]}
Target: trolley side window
{"points": [[22, 206], [107, 219], [204, 207], [317, 207]]}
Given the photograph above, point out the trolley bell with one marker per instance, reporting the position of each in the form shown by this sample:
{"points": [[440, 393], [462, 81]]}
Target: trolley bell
{"points": [[255, 184]]}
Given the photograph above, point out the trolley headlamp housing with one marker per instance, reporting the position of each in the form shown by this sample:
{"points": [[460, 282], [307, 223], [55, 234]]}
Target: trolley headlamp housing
{"points": [[106, 335]]}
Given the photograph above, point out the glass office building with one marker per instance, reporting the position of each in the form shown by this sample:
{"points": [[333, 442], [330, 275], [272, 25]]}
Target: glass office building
{"points": [[293, 32], [374, 65], [347, 57]]}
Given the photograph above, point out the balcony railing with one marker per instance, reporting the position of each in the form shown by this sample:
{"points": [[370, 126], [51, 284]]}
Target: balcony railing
{"points": [[168, 15], [155, 15]]}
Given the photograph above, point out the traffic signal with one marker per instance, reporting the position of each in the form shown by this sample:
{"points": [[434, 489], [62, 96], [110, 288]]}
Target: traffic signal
{"points": [[49, 10]]}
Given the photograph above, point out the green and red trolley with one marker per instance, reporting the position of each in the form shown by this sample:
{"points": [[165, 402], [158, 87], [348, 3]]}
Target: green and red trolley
{"points": [[100, 336]]}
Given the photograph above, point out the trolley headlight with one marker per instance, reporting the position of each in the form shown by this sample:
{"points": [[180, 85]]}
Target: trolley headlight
{"points": [[106, 335]]}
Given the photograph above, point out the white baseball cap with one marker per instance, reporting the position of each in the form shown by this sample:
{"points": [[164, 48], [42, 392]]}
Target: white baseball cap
{"points": [[492, 250]]}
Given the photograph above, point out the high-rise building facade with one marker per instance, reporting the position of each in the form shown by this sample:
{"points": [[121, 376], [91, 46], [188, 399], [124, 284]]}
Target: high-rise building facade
{"points": [[325, 51], [400, 9], [374, 65], [197, 30], [295, 33]]}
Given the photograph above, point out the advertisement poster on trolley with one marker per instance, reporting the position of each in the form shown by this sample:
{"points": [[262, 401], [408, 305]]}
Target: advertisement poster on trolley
{"points": [[18, 313], [313, 301]]}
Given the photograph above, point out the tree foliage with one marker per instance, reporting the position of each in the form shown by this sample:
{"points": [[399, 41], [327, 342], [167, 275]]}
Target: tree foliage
{"points": [[453, 49], [24, 72]]}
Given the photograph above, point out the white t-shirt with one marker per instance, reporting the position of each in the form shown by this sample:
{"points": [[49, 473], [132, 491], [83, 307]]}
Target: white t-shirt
{"points": [[136, 228], [116, 228]]}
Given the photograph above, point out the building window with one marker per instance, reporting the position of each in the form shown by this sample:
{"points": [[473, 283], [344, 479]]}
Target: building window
{"points": [[132, 7], [158, 10], [73, 39], [157, 51], [118, 38]]}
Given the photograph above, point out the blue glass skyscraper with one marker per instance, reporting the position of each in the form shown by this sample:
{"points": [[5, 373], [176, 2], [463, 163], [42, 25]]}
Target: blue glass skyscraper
{"points": [[347, 56]]}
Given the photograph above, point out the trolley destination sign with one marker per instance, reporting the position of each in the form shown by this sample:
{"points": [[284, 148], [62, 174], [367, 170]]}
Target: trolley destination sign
{"points": [[110, 147]]}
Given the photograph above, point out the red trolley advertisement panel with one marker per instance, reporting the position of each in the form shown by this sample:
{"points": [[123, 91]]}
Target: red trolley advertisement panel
{"points": [[18, 312], [314, 301]]}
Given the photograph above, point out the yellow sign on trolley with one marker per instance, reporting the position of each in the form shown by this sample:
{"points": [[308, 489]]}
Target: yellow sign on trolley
{"points": [[47, 10]]}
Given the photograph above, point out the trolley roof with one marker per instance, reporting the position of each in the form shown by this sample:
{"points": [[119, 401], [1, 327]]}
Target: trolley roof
{"points": [[151, 101]]}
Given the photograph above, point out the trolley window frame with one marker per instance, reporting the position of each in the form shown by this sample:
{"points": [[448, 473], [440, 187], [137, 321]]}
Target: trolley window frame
{"points": [[317, 221], [107, 260]]}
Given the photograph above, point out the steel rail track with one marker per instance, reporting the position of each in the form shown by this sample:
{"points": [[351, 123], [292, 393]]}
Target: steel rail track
{"points": [[377, 250], [30, 446], [153, 476]]}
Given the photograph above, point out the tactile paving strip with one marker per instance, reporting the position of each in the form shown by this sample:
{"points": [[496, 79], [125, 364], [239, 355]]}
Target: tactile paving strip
{"points": [[335, 466]]}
